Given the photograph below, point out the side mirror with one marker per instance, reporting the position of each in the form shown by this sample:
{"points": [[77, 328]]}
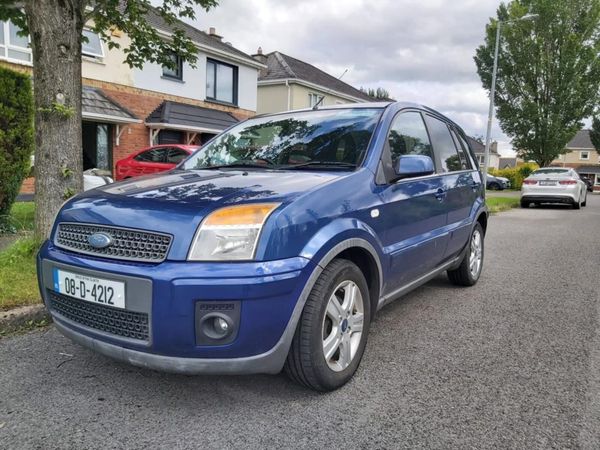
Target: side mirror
{"points": [[409, 166]]}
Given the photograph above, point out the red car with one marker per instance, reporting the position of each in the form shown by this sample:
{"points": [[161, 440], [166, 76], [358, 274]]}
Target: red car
{"points": [[157, 158]]}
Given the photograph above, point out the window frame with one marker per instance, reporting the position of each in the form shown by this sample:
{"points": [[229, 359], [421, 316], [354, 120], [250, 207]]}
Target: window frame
{"points": [[581, 152], [102, 53], [235, 84], [179, 70], [6, 46]]}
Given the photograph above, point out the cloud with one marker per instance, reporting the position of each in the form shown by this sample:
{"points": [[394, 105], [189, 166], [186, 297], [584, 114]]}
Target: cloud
{"points": [[420, 51]]}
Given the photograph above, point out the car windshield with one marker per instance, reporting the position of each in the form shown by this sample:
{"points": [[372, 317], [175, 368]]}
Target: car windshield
{"points": [[319, 139]]}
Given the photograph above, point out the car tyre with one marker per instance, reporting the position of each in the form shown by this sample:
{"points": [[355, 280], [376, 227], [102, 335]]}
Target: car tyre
{"points": [[524, 204], [584, 203], [469, 271], [577, 204], [494, 186], [318, 332]]}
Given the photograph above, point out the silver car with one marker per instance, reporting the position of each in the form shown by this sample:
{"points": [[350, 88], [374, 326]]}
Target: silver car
{"points": [[554, 185]]}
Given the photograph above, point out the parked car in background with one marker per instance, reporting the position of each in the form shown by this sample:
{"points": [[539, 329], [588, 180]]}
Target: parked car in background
{"points": [[497, 183], [273, 247], [589, 183], [155, 159], [94, 178], [554, 185]]}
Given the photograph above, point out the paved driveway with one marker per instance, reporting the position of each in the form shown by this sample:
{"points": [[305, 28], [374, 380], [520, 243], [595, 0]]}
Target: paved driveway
{"points": [[511, 363]]}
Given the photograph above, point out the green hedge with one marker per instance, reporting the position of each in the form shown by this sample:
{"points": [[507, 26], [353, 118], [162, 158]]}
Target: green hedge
{"points": [[516, 175], [16, 138]]}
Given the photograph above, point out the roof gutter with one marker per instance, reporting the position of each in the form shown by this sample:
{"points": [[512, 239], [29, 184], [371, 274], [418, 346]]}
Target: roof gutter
{"points": [[108, 118], [308, 84]]}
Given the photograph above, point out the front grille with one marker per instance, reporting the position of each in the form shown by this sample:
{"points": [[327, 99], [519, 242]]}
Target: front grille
{"points": [[129, 324], [127, 243]]}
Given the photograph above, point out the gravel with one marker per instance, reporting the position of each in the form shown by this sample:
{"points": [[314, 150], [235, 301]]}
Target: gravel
{"points": [[513, 362]]}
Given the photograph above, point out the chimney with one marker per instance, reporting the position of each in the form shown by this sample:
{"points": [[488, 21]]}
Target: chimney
{"points": [[259, 56], [212, 32]]}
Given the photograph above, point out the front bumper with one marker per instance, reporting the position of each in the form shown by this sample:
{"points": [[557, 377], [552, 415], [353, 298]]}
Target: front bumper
{"points": [[271, 296]]}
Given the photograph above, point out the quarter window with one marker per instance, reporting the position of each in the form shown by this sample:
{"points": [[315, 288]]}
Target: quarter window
{"points": [[12, 45], [176, 155], [408, 136], [177, 71], [93, 46], [221, 81], [463, 150], [444, 145]]}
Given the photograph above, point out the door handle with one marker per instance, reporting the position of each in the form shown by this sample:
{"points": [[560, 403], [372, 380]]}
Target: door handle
{"points": [[440, 194], [474, 185]]}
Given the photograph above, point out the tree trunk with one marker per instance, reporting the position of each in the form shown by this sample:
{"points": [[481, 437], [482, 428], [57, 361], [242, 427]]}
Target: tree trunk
{"points": [[55, 27]]}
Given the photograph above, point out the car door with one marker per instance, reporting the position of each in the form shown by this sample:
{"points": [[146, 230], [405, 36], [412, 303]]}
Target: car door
{"points": [[460, 182], [150, 161], [413, 210]]}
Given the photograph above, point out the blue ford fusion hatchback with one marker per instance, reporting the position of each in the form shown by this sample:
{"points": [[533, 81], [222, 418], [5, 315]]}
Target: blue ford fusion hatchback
{"points": [[272, 247]]}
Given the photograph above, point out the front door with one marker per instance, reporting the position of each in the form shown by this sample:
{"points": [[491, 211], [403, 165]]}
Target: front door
{"points": [[97, 148], [413, 211]]}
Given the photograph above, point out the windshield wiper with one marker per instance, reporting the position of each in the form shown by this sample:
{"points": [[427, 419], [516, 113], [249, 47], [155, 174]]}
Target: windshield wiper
{"points": [[237, 165], [324, 164]]}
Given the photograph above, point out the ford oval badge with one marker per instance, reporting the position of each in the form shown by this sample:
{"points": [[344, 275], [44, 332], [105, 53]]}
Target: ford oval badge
{"points": [[100, 240]]}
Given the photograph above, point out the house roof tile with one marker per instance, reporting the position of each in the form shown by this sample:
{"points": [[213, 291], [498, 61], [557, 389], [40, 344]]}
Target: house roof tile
{"points": [[581, 140], [281, 66], [94, 101], [191, 117]]}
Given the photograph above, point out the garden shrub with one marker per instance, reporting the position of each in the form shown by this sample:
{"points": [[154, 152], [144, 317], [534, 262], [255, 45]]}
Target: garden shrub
{"points": [[16, 138], [516, 175]]}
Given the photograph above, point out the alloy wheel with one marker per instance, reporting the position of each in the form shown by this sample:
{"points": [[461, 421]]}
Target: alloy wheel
{"points": [[343, 325], [476, 254]]}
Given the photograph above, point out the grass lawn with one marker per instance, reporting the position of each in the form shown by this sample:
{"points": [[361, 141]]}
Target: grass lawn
{"points": [[18, 282], [498, 204], [22, 215]]}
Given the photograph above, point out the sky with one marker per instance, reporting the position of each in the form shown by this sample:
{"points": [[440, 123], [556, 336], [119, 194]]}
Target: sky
{"points": [[419, 50]]}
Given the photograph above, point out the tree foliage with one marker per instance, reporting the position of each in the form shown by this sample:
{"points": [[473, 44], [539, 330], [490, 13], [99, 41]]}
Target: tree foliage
{"points": [[16, 137], [595, 133], [55, 28], [377, 94], [548, 72]]}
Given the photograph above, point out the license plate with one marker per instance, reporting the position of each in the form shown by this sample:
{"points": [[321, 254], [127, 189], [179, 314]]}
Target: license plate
{"points": [[90, 289], [547, 183]]}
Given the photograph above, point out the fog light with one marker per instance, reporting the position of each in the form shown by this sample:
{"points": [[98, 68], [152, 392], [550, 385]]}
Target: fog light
{"points": [[221, 326]]}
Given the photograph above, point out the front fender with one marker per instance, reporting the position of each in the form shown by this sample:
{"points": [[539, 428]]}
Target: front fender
{"points": [[340, 235]]}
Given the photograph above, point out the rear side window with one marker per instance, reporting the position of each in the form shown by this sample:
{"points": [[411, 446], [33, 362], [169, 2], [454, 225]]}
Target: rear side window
{"points": [[443, 145], [463, 150], [408, 136], [176, 155], [155, 155]]}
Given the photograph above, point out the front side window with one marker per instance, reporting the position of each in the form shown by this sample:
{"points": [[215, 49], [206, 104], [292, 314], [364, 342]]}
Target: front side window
{"points": [[443, 145], [221, 81], [329, 139], [176, 155], [154, 155], [177, 71], [314, 99], [93, 46], [408, 136], [12, 45]]}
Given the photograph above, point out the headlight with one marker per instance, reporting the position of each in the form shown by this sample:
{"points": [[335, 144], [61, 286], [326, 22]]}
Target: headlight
{"points": [[230, 233]]}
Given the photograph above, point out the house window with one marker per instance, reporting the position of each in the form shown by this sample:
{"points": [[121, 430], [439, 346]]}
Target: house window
{"points": [[93, 46], [12, 45], [584, 156], [177, 72], [480, 159], [314, 99], [221, 82]]}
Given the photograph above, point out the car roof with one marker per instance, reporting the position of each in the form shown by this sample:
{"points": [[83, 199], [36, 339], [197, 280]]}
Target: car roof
{"points": [[366, 105]]}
